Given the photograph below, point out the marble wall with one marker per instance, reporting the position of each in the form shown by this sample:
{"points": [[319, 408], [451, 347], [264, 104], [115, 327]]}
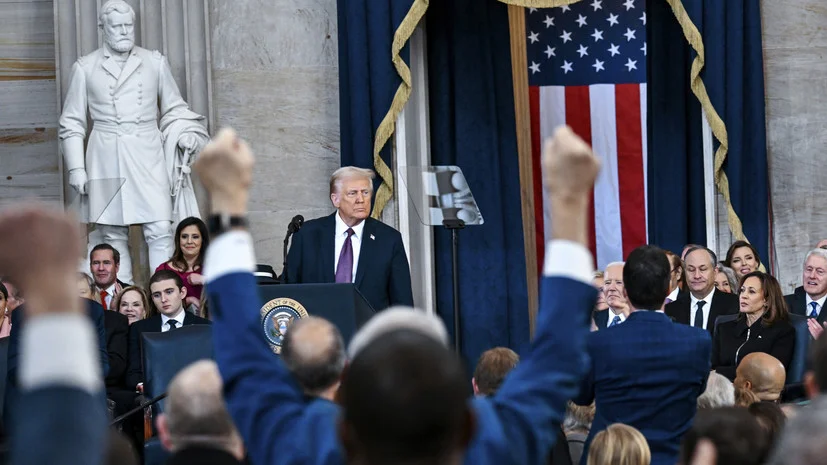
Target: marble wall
{"points": [[795, 48], [275, 80]]}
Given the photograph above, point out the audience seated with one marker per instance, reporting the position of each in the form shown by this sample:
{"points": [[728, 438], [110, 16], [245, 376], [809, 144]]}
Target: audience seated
{"points": [[104, 263], [737, 436], [743, 258], [577, 424], [5, 317], [763, 325], [196, 427], [719, 392], [619, 444], [704, 303], [314, 352], [133, 303], [770, 417], [191, 241], [635, 363], [676, 278], [492, 368], [809, 298], [618, 307], [15, 296], [815, 380], [803, 438], [762, 374], [725, 279], [168, 294], [744, 397]]}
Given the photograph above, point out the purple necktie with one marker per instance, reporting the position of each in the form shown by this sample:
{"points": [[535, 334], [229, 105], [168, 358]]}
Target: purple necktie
{"points": [[668, 301], [344, 271]]}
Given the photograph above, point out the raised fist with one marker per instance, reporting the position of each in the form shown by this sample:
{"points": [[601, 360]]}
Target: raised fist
{"points": [[569, 164], [225, 167]]}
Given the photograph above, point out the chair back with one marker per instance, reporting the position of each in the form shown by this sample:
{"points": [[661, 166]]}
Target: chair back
{"points": [[798, 365], [722, 319], [166, 354]]}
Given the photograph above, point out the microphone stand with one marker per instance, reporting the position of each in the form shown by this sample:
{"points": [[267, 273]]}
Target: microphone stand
{"points": [[139, 408]]}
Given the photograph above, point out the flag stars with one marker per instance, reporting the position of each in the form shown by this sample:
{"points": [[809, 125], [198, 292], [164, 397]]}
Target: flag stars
{"points": [[597, 5], [535, 67], [565, 8], [643, 49], [531, 10], [643, 18], [598, 66], [549, 21], [583, 51], [581, 20], [614, 50], [629, 4], [612, 19], [534, 37], [598, 35], [566, 37], [566, 67], [550, 51], [630, 34], [631, 64]]}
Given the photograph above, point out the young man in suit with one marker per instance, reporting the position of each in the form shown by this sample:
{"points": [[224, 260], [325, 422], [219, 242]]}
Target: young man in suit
{"points": [[809, 298], [704, 304], [168, 294], [516, 425], [647, 372], [350, 247]]}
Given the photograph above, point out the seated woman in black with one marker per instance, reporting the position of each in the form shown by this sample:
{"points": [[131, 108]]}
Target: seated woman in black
{"points": [[763, 325]]}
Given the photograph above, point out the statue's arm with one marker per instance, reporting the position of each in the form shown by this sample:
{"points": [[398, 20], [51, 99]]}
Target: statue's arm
{"points": [[72, 123], [169, 96]]}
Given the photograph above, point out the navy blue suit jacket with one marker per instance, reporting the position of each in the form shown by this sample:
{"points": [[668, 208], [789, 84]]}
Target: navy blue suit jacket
{"points": [[382, 274], [517, 425], [648, 373]]}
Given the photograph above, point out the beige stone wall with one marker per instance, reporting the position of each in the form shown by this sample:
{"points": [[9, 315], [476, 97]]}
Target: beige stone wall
{"points": [[795, 64], [275, 74]]}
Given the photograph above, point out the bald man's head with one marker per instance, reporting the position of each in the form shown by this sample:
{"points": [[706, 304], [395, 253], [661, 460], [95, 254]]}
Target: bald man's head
{"points": [[195, 412], [762, 374], [314, 352]]}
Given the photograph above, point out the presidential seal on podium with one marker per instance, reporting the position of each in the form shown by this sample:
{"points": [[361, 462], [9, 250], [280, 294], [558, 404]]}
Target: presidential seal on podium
{"points": [[276, 317]]}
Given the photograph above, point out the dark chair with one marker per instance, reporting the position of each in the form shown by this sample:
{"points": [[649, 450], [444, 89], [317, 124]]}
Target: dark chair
{"points": [[163, 356], [4, 352], [722, 319], [798, 365]]}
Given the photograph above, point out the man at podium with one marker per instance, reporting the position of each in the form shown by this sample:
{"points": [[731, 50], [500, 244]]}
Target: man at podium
{"points": [[350, 247]]}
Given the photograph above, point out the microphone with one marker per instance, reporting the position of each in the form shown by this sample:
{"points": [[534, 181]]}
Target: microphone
{"points": [[292, 228]]}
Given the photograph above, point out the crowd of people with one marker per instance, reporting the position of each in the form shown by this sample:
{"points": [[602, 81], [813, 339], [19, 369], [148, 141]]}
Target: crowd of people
{"points": [[660, 359]]}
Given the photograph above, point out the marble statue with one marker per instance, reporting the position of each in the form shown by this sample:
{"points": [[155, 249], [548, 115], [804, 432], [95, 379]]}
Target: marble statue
{"points": [[143, 138]]}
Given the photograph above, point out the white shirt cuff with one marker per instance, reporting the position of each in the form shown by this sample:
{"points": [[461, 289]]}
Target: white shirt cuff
{"points": [[60, 350], [568, 259], [231, 252]]}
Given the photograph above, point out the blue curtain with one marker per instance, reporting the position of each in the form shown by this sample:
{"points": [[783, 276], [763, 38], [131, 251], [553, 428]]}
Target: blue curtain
{"points": [[734, 78], [367, 77], [473, 126]]}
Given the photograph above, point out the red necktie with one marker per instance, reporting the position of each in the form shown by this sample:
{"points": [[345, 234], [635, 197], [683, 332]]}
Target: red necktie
{"points": [[103, 299]]}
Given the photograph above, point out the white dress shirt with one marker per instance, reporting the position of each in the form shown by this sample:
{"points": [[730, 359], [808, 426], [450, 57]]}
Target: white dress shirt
{"points": [[693, 307], [820, 304], [179, 317], [673, 296], [355, 242], [612, 316], [110, 294]]}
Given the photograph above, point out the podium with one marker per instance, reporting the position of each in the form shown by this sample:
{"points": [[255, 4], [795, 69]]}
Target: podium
{"points": [[341, 304]]}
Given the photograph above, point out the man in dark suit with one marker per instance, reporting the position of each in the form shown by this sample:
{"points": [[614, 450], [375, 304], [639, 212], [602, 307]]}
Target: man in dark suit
{"points": [[168, 295], [618, 309], [350, 247], [704, 304], [104, 263], [647, 372], [808, 299], [517, 425]]}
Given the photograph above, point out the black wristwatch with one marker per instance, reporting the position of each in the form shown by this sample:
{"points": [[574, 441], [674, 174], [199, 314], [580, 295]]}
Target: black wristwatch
{"points": [[223, 222]]}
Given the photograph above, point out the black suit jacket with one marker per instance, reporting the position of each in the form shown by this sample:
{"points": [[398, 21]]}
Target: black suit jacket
{"points": [[722, 304], [135, 371], [797, 304], [382, 274], [732, 338], [117, 332]]}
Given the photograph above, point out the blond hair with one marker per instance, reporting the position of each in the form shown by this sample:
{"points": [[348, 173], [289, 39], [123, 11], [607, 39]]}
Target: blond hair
{"points": [[349, 172], [619, 444]]}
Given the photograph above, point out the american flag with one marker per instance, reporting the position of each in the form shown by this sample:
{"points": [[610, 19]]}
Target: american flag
{"points": [[587, 69]]}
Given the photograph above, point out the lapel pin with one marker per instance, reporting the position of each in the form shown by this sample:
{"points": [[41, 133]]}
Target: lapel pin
{"points": [[372, 237]]}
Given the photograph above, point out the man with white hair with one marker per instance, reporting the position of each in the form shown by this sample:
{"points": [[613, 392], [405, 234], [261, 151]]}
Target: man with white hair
{"points": [[719, 392], [350, 247], [131, 154], [613, 290], [196, 427], [808, 299], [404, 395]]}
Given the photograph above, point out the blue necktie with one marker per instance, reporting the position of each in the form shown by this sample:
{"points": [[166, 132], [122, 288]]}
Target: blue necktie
{"points": [[699, 315], [615, 321], [814, 313]]}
